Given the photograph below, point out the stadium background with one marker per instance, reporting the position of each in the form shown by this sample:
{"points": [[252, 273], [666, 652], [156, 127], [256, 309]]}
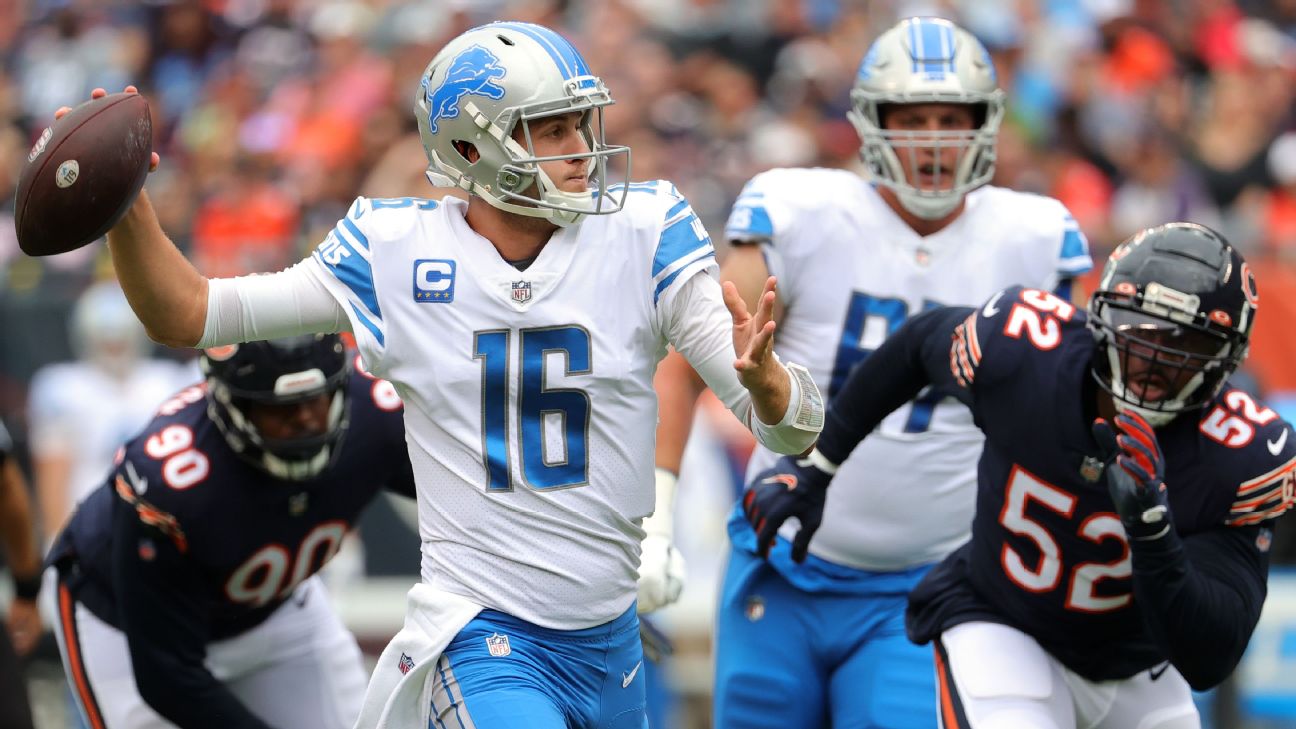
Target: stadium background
{"points": [[272, 115]]}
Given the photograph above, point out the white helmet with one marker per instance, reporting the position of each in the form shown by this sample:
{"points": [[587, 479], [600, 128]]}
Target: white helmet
{"points": [[927, 61], [481, 86], [105, 331]]}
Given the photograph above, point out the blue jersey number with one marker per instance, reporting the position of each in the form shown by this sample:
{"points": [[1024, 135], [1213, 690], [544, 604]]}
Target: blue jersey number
{"points": [[536, 405], [891, 312]]}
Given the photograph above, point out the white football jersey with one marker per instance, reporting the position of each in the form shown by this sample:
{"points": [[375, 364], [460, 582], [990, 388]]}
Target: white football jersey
{"points": [[529, 406], [850, 272]]}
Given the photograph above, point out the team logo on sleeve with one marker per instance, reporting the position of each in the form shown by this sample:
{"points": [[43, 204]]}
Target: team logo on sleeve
{"points": [[434, 280], [472, 73]]}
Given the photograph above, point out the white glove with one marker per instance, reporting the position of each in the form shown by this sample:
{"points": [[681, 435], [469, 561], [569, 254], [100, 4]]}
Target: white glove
{"points": [[661, 566]]}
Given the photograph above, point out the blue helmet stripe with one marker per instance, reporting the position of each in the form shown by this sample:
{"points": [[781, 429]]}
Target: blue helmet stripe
{"points": [[563, 53], [933, 46]]}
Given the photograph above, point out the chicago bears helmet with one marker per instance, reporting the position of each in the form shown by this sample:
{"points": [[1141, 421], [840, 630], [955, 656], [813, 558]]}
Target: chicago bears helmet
{"points": [[927, 61], [278, 372], [1172, 319], [485, 83]]}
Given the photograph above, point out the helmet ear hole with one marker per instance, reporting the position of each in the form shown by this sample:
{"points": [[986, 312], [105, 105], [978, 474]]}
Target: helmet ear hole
{"points": [[466, 150]]}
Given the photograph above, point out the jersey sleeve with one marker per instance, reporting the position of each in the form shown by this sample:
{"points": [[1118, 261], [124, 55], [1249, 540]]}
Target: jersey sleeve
{"points": [[682, 248], [757, 215], [1073, 258], [344, 263], [1273, 492]]}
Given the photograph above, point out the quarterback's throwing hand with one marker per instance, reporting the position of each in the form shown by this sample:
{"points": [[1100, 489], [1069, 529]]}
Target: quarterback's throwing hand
{"points": [[1135, 475], [793, 487]]}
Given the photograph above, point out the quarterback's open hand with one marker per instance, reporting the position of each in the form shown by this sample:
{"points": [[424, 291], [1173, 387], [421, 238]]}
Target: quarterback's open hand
{"points": [[753, 337], [99, 93], [793, 487], [661, 573], [1135, 475]]}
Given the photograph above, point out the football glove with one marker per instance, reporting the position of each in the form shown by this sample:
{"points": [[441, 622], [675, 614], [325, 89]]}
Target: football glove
{"points": [[661, 566], [1135, 471], [661, 574], [794, 487]]}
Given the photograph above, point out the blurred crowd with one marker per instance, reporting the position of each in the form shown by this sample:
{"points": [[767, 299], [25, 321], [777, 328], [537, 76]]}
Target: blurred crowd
{"points": [[272, 115]]}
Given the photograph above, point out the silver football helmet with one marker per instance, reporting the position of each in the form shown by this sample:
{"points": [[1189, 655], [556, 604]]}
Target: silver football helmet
{"points": [[927, 61], [485, 83]]}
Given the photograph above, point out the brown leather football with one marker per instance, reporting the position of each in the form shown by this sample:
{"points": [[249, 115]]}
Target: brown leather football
{"points": [[83, 174]]}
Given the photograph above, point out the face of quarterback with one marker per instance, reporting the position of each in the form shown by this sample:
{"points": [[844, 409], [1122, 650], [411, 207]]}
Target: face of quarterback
{"points": [[929, 161], [560, 134], [289, 421]]}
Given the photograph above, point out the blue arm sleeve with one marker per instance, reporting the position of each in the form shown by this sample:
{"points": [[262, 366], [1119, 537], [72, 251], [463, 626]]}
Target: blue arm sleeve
{"points": [[1201, 597], [916, 355]]}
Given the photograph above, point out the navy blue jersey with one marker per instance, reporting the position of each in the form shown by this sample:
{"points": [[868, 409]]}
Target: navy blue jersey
{"points": [[1048, 554], [186, 496]]}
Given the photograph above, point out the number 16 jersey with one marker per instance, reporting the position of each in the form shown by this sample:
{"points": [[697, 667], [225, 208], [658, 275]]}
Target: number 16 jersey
{"points": [[530, 412]]}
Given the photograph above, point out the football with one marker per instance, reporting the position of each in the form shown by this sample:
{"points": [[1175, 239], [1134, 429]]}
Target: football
{"points": [[83, 174]]}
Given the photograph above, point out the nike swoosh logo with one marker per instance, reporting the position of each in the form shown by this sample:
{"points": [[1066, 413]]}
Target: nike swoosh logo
{"points": [[140, 483], [1276, 446], [990, 309], [628, 678], [1156, 673]]}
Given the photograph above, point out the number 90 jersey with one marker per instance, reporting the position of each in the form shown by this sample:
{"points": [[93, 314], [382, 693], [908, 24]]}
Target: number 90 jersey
{"points": [[1048, 553], [850, 273], [530, 410], [231, 541]]}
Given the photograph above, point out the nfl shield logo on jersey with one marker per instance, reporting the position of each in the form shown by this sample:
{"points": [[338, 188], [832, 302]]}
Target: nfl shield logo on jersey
{"points": [[498, 645], [406, 664], [521, 291]]}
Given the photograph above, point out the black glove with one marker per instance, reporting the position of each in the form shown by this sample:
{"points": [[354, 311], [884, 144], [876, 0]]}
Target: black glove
{"points": [[1135, 475], [793, 487]]}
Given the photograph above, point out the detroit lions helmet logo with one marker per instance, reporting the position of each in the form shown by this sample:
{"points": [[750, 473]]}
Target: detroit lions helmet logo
{"points": [[472, 72]]}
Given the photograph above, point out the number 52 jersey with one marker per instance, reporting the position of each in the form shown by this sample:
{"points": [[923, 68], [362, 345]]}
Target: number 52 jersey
{"points": [[529, 405], [1048, 553]]}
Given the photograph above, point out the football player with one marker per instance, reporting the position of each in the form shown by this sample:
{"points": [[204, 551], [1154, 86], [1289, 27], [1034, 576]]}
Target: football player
{"points": [[187, 591], [522, 328], [1119, 551], [856, 255], [81, 411], [23, 623]]}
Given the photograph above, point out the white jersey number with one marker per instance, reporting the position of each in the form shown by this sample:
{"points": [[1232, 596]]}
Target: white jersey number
{"points": [[1023, 487], [547, 463]]}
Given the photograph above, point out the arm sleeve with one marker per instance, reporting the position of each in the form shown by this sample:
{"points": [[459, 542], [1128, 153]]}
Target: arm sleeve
{"points": [[267, 306], [164, 617], [696, 321], [1201, 597], [916, 355]]}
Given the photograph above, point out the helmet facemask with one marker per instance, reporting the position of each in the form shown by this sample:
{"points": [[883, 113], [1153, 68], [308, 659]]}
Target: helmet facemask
{"points": [[293, 459], [288, 374], [1161, 359], [890, 155]]}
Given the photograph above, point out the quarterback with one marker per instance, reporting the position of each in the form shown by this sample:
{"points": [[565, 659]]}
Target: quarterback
{"points": [[522, 329]]}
